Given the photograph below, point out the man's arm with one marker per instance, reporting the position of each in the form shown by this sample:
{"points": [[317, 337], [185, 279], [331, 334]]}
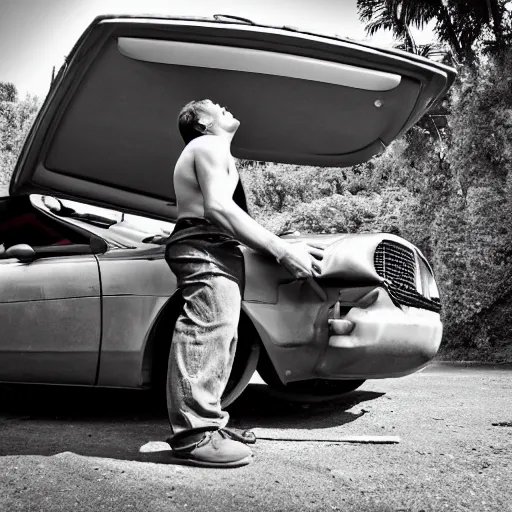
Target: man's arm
{"points": [[211, 165]]}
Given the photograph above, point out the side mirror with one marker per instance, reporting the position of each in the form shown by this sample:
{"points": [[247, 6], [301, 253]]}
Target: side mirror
{"points": [[22, 252]]}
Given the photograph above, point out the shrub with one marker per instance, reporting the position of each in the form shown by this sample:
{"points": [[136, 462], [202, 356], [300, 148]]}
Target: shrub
{"points": [[16, 118]]}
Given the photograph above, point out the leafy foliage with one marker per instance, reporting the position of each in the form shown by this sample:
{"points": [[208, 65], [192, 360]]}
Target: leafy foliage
{"points": [[16, 118], [476, 266], [8, 92], [462, 25]]}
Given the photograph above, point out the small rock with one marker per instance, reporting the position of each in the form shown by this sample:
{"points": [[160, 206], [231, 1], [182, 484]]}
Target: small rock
{"points": [[502, 424], [154, 446]]}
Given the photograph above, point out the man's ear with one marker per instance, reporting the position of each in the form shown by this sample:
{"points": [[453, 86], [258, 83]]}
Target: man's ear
{"points": [[204, 124]]}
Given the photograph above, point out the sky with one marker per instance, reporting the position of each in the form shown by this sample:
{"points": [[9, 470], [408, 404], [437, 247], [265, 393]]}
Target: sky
{"points": [[36, 35]]}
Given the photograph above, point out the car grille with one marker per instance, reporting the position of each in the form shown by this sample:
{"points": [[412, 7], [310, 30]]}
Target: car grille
{"points": [[397, 264]]}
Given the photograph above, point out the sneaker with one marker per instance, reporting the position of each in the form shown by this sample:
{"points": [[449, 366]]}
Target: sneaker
{"points": [[215, 450]]}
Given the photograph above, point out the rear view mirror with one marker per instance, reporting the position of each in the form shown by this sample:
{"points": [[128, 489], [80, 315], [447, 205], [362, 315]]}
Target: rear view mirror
{"points": [[22, 252]]}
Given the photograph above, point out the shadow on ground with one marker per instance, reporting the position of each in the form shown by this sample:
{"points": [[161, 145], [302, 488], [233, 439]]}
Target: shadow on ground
{"points": [[43, 420]]}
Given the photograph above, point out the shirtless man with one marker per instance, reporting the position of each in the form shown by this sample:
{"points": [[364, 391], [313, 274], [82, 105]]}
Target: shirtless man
{"points": [[203, 252]]}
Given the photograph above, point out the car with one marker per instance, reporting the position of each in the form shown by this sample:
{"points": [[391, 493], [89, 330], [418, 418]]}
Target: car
{"points": [[87, 297]]}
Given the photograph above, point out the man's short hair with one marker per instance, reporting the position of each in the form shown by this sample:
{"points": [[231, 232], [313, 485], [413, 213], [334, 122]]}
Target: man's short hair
{"points": [[188, 120]]}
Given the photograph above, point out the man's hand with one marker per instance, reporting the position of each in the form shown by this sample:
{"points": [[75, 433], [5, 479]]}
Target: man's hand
{"points": [[302, 260]]}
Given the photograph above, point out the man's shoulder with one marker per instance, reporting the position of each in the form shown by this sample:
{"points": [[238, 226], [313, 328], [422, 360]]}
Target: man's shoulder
{"points": [[208, 144]]}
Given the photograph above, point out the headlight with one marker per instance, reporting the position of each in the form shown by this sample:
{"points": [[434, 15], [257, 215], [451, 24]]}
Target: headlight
{"points": [[425, 282]]}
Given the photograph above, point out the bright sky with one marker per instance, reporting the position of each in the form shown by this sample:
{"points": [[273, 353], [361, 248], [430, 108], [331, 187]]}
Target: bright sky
{"points": [[35, 35]]}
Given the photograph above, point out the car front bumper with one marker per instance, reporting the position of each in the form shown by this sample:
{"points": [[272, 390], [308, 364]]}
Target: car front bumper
{"points": [[383, 341]]}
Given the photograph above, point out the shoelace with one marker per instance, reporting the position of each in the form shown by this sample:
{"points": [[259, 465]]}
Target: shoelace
{"points": [[243, 436]]}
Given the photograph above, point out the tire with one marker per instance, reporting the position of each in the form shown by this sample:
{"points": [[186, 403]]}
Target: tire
{"points": [[244, 364], [324, 387], [308, 388]]}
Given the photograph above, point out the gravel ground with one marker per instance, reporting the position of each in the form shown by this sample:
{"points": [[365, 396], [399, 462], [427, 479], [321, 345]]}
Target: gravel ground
{"points": [[80, 449]]}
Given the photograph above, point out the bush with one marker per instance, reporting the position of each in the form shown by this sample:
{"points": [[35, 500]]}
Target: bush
{"points": [[16, 118], [473, 234]]}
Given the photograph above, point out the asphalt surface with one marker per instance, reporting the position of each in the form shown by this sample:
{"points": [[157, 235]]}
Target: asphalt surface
{"points": [[93, 450]]}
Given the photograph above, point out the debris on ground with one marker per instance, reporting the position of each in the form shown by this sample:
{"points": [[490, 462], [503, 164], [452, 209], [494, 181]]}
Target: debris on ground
{"points": [[268, 435]]}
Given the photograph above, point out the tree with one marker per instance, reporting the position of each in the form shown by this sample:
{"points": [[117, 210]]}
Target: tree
{"points": [[400, 15], [458, 23], [383, 15], [16, 118], [8, 92]]}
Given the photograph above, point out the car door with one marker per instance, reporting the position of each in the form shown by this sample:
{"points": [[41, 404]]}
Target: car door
{"points": [[50, 313]]}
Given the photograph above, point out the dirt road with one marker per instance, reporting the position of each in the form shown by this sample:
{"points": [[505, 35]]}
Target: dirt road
{"points": [[95, 450]]}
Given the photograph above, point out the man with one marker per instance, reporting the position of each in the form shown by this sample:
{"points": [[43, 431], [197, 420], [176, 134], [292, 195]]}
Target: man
{"points": [[203, 252]]}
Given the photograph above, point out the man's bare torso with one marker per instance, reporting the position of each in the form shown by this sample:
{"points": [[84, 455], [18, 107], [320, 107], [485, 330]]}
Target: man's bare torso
{"points": [[188, 192]]}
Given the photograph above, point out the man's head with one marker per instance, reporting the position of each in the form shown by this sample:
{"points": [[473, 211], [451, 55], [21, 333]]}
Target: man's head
{"points": [[204, 117]]}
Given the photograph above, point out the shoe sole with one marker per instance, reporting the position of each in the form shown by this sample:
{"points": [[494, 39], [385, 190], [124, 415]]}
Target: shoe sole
{"points": [[205, 464]]}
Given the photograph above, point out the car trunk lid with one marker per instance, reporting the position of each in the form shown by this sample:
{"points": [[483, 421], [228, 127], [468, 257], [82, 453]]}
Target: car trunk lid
{"points": [[107, 132]]}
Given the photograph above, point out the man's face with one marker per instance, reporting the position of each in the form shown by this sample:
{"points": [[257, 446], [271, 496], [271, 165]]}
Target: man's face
{"points": [[221, 117]]}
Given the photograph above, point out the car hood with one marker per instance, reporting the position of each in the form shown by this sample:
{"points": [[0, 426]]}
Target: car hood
{"points": [[107, 132]]}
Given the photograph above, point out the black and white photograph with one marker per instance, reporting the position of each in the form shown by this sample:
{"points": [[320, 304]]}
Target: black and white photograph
{"points": [[255, 255]]}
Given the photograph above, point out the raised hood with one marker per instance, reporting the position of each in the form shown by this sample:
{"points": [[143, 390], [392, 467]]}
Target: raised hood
{"points": [[107, 132]]}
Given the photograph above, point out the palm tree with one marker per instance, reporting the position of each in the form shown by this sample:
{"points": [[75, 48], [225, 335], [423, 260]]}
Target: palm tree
{"points": [[382, 15], [459, 23], [399, 15]]}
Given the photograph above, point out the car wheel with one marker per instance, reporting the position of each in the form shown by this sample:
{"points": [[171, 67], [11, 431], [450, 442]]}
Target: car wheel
{"points": [[244, 365], [308, 388], [324, 387]]}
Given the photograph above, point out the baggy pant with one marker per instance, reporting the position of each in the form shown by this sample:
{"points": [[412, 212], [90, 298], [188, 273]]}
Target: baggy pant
{"points": [[209, 270]]}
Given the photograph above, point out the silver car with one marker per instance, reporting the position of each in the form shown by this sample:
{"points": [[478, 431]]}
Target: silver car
{"points": [[87, 298]]}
